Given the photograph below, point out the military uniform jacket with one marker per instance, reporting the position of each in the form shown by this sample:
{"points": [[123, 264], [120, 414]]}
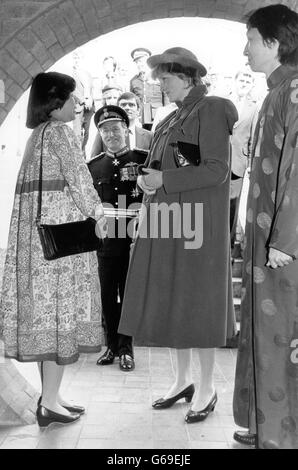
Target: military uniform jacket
{"points": [[114, 178]]}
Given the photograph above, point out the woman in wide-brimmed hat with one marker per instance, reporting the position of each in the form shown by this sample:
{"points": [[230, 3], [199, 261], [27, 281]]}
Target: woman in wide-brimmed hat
{"points": [[178, 291]]}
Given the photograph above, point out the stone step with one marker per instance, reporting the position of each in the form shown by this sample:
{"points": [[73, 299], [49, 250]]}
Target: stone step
{"points": [[237, 304], [237, 286], [232, 343], [237, 251], [237, 267]]}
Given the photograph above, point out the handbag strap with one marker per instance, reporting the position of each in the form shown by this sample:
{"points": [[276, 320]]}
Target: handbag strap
{"points": [[39, 200]]}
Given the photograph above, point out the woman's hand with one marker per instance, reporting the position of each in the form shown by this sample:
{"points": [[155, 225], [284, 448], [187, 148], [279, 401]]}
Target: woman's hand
{"points": [[278, 259], [153, 178], [101, 227], [144, 187], [99, 212]]}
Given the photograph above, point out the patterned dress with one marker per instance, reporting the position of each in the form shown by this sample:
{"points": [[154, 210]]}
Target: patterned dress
{"points": [[266, 384], [50, 310]]}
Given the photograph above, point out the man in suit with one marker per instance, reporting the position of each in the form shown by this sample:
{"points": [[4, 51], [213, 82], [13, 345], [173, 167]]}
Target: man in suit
{"points": [[114, 174], [137, 137], [241, 140]]}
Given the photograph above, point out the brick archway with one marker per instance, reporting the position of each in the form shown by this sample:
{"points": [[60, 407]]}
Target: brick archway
{"points": [[33, 36]]}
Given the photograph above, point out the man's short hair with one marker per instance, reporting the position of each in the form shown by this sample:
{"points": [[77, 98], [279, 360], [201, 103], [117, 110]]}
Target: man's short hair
{"points": [[113, 59], [277, 22], [128, 95]]}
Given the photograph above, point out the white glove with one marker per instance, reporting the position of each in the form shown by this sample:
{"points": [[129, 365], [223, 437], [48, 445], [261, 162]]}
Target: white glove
{"points": [[101, 227]]}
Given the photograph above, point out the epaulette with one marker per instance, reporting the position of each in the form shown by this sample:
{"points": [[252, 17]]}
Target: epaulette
{"points": [[97, 157], [142, 151]]}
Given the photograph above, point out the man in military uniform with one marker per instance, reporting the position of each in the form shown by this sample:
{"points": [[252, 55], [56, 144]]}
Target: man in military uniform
{"points": [[114, 174], [147, 89]]}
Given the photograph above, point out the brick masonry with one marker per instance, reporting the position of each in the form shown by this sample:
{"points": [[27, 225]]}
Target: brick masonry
{"points": [[33, 36]]}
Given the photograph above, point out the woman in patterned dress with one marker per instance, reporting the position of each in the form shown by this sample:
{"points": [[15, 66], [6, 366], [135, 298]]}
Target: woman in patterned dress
{"points": [[50, 310]]}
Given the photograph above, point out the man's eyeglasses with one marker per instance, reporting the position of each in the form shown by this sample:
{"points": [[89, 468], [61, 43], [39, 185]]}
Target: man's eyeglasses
{"points": [[112, 130]]}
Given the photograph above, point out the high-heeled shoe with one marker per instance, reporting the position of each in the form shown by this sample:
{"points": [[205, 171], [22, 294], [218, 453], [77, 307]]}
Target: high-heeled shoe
{"points": [[46, 417], [195, 416], [187, 393], [245, 437], [71, 409]]}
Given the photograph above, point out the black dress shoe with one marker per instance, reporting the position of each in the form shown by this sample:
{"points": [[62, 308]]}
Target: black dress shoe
{"points": [[245, 437], [187, 393], [45, 417], [195, 416], [71, 409], [106, 359], [126, 362]]}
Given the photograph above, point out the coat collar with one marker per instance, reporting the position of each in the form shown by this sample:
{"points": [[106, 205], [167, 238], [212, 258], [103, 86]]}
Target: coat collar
{"points": [[195, 94], [281, 73]]}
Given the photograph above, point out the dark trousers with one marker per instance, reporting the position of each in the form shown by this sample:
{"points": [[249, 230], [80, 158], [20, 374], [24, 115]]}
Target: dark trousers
{"points": [[112, 275], [234, 208]]}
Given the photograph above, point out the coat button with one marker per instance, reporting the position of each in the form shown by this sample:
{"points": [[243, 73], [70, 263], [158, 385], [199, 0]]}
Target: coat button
{"points": [[116, 189], [116, 203]]}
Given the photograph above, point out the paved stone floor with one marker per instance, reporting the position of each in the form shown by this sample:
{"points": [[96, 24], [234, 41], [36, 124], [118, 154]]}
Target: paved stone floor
{"points": [[118, 407]]}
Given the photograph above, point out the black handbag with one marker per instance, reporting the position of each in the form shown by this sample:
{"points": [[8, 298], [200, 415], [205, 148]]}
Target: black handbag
{"points": [[67, 239]]}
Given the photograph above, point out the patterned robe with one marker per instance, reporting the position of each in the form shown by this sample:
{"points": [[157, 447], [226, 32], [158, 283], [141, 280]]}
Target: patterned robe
{"points": [[50, 310], [266, 385]]}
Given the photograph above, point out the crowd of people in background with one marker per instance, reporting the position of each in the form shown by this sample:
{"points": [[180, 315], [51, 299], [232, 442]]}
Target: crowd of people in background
{"points": [[153, 104]]}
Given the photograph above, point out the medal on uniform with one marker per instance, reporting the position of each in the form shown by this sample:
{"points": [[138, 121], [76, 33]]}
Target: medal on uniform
{"points": [[135, 193], [115, 162]]}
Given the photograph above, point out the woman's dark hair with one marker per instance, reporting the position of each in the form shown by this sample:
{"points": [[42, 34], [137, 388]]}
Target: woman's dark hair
{"points": [[277, 22], [49, 91], [177, 69]]}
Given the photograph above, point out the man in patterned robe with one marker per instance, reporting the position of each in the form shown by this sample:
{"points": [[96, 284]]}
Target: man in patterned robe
{"points": [[266, 384]]}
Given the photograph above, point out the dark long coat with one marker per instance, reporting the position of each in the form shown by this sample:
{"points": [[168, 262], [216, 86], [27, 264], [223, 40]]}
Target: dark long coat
{"points": [[266, 384], [180, 295]]}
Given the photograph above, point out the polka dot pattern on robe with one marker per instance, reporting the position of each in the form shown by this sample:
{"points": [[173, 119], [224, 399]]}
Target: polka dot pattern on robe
{"points": [[256, 190], [277, 394], [288, 424], [264, 220], [268, 307], [249, 216], [278, 140], [267, 166], [259, 275]]}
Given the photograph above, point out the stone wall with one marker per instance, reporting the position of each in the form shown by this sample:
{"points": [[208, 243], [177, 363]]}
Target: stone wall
{"points": [[35, 34]]}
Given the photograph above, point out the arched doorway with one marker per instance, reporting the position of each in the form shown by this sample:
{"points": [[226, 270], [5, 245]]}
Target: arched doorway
{"points": [[33, 36]]}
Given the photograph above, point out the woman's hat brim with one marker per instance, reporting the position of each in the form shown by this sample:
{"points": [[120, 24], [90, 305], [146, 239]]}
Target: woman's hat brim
{"points": [[167, 58]]}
